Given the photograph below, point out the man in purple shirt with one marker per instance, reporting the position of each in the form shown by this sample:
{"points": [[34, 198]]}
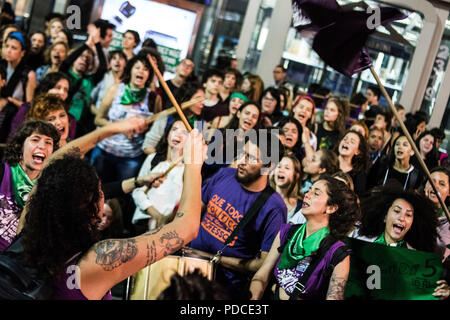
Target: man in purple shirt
{"points": [[227, 196]]}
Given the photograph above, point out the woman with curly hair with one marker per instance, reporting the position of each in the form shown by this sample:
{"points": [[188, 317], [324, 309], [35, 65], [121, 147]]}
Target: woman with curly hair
{"points": [[61, 228], [121, 156], [398, 218], [25, 156], [354, 159], [50, 107], [54, 83], [330, 209]]}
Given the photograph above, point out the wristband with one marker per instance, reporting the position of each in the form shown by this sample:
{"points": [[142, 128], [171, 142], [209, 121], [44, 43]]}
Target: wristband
{"points": [[136, 184]]}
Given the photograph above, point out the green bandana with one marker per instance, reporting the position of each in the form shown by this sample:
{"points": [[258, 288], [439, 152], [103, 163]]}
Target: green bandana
{"points": [[298, 248], [22, 184], [239, 95], [192, 120], [382, 240], [133, 95]]}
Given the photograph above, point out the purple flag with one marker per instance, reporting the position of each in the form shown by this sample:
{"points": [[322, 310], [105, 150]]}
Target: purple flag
{"points": [[339, 36]]}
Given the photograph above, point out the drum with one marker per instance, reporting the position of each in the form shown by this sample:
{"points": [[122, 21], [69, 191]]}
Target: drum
{"points": [[148, 283]]}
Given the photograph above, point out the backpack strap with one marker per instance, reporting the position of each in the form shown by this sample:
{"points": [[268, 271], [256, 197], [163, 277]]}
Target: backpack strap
{"points": [[252, 212], [289, 235], [2, 171], [300, 286]]}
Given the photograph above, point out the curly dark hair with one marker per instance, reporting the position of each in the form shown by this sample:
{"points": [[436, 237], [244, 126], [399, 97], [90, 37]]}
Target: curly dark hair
{"points": [[44, 104], [343, 220], [360, 162], [423, 233], [142, 57], [193, 286], [63, 214], [14, 149]]}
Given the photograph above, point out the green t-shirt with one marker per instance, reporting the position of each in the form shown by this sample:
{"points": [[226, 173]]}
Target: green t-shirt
{"points": [[82, 97]]}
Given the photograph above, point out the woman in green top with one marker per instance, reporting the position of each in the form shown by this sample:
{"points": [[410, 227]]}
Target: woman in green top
{"points": [[400, 218]]}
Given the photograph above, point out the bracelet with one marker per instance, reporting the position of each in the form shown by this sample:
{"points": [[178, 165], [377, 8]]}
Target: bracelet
{"points": [[136, 185]]}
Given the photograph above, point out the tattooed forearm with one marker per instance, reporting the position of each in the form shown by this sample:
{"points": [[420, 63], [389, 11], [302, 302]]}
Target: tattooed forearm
{"points": [[167, 244], [74, 151], [152, 232], [336, 289], [170, 242], [113, 253], [151, 253]]}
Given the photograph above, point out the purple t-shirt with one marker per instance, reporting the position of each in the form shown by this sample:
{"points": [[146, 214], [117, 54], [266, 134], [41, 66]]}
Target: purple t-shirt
{"points": [[66, 286], [317, 284], [9, 210], [226, 203]]}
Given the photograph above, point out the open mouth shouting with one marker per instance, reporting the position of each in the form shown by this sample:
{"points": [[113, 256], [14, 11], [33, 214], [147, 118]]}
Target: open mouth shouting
{"points": [[398, 229], [247, 125], [39, 158]]}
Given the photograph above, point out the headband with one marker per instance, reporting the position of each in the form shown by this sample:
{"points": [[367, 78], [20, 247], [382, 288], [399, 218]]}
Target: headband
{"points": [[239, 95], [18, 36], [307, 97]]}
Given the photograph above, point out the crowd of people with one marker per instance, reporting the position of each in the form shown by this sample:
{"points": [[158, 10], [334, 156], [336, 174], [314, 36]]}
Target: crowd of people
{"points": [[88, 179]]}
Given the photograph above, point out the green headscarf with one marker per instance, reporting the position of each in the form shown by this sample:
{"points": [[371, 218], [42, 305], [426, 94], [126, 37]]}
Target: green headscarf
{"points": [[298, 248], [133, 95], [22, 184]]}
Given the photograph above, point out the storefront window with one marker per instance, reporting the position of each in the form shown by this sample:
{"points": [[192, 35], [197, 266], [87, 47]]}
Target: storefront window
{"points": [[438, 72], [219, 32], [259, 35], [391, 50]]}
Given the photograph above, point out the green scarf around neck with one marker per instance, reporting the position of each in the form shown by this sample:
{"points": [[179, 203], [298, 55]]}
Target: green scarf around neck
{"points": [[382, 240], [22, 184], [133, 95], [298, 248]]}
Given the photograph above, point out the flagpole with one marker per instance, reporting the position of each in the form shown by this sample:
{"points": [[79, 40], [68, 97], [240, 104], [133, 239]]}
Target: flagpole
{"points": [[169, 93], [411, 141]]}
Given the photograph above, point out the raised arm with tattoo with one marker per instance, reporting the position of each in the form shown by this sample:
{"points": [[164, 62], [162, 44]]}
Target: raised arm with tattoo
{"points": [[110, 261]]}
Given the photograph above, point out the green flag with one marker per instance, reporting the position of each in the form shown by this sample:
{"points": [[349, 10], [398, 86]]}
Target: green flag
{"points": [[379, 272]]}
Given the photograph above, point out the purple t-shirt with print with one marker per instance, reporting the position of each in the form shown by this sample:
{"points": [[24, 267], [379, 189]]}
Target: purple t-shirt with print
{"points": [[226, 203], [9, 210]]}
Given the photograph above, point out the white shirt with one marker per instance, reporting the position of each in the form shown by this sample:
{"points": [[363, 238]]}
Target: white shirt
{"points": [[164, 198]]}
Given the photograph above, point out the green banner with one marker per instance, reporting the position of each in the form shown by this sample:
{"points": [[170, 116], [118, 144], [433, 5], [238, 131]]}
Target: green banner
{"points": [[170, 57], [116, 44], [379, 272]]}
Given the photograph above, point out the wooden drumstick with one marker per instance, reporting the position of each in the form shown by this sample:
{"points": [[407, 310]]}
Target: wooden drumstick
{"points": [[169, 93], [173, 165], [172, 110]]}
